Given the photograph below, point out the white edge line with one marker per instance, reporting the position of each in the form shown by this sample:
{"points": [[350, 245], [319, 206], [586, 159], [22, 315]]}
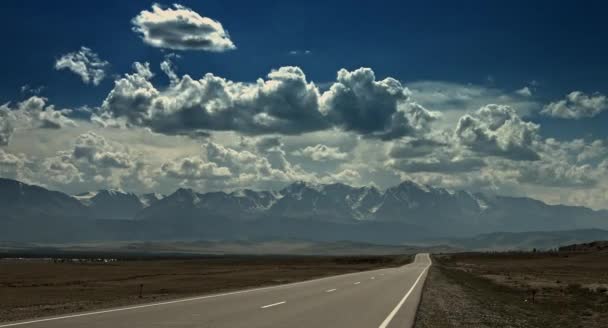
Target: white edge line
{"points": [[180, 300], [388, 319], [273, 304]]}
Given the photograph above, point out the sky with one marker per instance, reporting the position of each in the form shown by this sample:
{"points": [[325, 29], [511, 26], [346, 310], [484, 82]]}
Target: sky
{"points": [[505, 98]]}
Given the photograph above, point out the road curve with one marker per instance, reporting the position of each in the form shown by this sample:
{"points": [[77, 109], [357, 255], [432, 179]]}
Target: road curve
{"points": [[384, 298]]}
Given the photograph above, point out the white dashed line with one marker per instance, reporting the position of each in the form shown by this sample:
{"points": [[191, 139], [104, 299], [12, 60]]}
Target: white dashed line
{"points": [[372, 278], [330, 290], [273, 304], [358, 282]]}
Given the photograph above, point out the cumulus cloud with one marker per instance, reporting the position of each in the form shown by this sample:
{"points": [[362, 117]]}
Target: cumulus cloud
{"points": [[321, 152], [94, 162], [524, 92], [168, 68], [577, 105], [223, 167], [357, 102], [497, 130], [10, 164], [261, 164], [6, 127], [61, 170], [97, 151], [194, 168], [33, 112], [84, 63], [181, 28], [284, 103]]}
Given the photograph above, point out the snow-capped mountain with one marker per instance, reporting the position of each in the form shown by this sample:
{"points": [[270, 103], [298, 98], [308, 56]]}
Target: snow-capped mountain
{"points": [[111, 204], [19, 200], [300, 210], [150, 198]]}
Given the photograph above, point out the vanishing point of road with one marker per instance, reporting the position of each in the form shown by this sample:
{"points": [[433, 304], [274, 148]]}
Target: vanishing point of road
{"points": [[384, 298]]}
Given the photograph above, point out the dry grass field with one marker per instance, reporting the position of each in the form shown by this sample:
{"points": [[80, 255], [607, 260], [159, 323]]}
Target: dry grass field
{"points": [[553, 289], [35, 287]]}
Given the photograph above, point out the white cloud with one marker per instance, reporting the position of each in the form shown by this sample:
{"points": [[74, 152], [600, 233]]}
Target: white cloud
{"points": [[168, 68], [524, 92], [97, 151], [577, 105], [321, 152], [497, 130], [195, 168], [300, 52], [6, 127], [461, 98], [84, 63], [181, 28], [11, 165], [31, 113]]}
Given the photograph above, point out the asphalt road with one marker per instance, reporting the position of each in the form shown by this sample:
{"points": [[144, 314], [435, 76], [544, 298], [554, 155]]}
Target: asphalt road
{"points": [[379, 298]]}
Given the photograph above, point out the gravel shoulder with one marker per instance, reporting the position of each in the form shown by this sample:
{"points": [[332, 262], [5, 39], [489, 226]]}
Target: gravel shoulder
{"points": [[511, 291]]}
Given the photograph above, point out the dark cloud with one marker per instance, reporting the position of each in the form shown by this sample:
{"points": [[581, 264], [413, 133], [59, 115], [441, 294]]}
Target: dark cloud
{"points": [[359, 103], [285, 103], [410, 147]]}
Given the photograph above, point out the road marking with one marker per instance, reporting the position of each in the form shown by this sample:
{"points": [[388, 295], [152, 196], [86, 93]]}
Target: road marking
{"points": [[273, 304], [358, 282], [396, 309], [331, 290], [175, 301], [373, 278]]}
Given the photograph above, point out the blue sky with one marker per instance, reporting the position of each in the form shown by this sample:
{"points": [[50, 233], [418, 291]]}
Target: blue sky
{"points": [[467, 94], [559, 44]]}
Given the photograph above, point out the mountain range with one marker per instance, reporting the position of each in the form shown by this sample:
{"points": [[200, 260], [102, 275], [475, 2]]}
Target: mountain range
{"points": [[408, 212]]}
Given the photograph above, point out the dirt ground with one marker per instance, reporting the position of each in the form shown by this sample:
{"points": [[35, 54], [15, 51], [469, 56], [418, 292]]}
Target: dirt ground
{"points": [[35, 287], [516, 290]]}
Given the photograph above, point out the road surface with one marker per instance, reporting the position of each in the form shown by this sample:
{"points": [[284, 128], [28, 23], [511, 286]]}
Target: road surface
{"points": [[384, 298]]}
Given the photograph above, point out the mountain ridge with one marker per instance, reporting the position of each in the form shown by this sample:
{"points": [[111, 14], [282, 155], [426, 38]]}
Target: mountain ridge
{"points": [[335, 211]]}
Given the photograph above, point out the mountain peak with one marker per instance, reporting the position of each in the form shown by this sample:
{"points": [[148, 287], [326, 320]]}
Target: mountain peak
{"points": [[185, 195]]}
